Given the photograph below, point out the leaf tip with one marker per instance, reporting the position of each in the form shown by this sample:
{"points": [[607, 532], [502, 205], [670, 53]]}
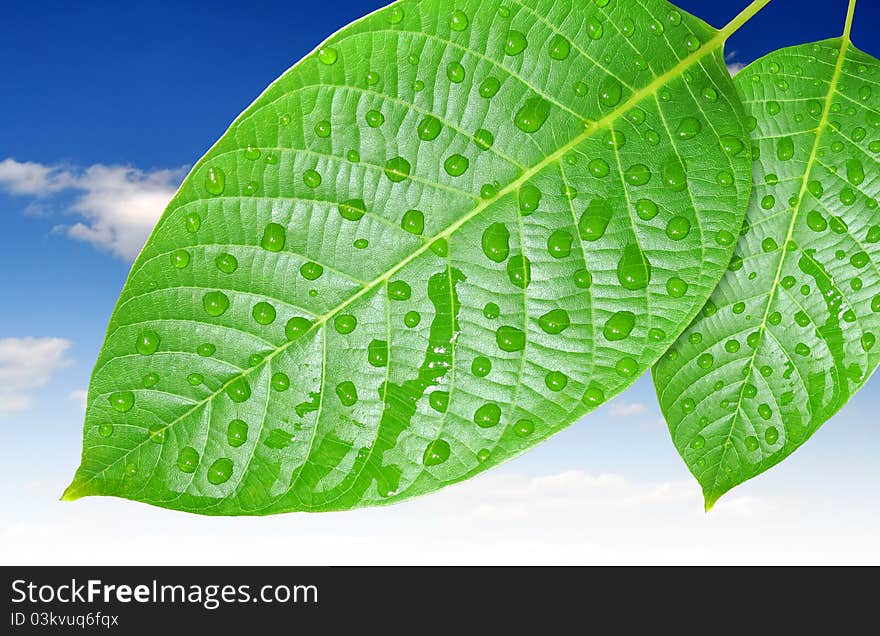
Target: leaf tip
{"points": [[72, 492]]}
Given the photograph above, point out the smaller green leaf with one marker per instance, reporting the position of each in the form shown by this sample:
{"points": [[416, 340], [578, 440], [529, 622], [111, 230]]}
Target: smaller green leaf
{"points": [[790, 334]]}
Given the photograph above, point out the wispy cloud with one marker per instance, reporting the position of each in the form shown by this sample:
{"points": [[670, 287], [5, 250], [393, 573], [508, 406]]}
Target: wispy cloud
{"points": [[733, 67], [80, 396], [117, 206], [627, 409], [27, 364]]}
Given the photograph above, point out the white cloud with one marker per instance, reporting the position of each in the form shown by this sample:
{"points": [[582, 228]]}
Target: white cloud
{"points": [[80, 396], [27, 364], [627, 409], [735, 68], [118, 205]]}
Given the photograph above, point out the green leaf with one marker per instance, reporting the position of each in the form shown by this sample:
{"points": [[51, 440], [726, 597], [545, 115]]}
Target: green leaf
{"points": [[442, 237], [789, 335]]}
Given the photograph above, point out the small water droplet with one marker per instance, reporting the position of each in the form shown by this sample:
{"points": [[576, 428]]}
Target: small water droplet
{"points": [[215, 181]]}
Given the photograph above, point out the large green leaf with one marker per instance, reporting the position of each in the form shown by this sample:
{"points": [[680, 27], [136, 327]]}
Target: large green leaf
{"points": [[789, 335], [441, 238]]}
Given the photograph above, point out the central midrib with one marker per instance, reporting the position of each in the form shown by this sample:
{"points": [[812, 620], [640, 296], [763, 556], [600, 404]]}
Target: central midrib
{"points": [[650, 89], [823, 123]]}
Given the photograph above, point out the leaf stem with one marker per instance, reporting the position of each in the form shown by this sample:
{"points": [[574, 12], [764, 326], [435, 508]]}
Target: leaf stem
{"points": [[744, 16], [850, 12]]}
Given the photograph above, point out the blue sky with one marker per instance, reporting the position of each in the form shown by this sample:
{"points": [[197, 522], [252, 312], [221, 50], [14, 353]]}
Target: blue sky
{"points": [[107, 103]]}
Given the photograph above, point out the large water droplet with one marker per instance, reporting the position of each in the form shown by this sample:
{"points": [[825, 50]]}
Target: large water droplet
{"points": [[516, 43], [488, 415], [633, 269], [220, 471], [619, 326], [510, 338], [273, 237], [531, 117], [215, 181], [496, 242], [147, 343]]}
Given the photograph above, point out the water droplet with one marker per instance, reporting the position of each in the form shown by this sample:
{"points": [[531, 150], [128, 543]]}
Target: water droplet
{"points": [[251, 153], [556, 381], [731, 145], [676, 287], [312, 178], [495, 242], [397, 169], [491, 311], [456, 165], [328, 55], [490, 87], [678, 228], [412, 319], [353, 210], [554, 321], [436, 453], [488, 415], [698, 442], [785, 148], [593, 396], [147, 343], [484, 139], [193, 222], [510, 338], [215, 181], [122, 401], [345, 324], [516, 43], [531, 117], [595, 219], [399, 290], [626, 367], [322, 129], [188, 459], [236, 433], [646, 209], [180, 259], [855, 172], [637, 174], [529, 199], [439, 401], [215, 303], [347, 393], [239, 390], [296, 327], [619, 326], [674, 176], [688, 128], [599, 168], [220, 471], [771, 435], [151, 379], [396, 15], [413, 221], [311, 271], [377, 353], [280, 381], [264, 313], [610, 91], [519, 271], [559, 244], [458, 21], [273, 238], [633, 269], [481, 366], [455, 72]]}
